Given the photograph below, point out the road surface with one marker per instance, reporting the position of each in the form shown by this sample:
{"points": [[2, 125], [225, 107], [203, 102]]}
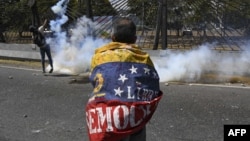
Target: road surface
{"points": [[35, 107]]}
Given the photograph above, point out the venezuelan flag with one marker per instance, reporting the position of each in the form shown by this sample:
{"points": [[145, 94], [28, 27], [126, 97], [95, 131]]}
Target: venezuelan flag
{"points": [[126, 92]]}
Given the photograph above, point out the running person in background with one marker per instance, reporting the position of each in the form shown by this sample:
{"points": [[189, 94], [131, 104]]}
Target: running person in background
{"points": [[40, 41], [126, 88]]}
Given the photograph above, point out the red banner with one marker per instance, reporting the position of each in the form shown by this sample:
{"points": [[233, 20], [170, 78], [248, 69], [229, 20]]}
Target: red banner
{"points": [[114, 120]]}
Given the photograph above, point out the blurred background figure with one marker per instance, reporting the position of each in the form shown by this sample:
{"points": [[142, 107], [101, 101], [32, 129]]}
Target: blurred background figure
{"points": [[40, 41]]}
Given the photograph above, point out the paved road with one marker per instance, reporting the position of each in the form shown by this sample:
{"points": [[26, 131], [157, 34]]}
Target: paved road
{"points": [[34, 107]]}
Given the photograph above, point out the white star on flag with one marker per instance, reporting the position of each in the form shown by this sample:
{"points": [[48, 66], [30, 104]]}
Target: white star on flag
{"points": [[146, 71], [123, 78], [155, 74], [133, 69], [118, 91]]}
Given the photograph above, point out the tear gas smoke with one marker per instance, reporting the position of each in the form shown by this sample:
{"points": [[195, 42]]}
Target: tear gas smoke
{"points": [[73, 52], [74, 48], [179, 65], [189, 65]]}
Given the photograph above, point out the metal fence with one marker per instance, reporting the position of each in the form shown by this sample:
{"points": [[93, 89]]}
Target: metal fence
{"points": [[187, 36]]}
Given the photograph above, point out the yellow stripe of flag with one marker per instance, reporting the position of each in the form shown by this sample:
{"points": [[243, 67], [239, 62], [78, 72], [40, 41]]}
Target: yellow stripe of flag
{"points": [[120, 52]]}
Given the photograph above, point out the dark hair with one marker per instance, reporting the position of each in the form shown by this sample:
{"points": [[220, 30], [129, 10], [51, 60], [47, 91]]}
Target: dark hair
{"points": [[32, 28], [124, 30]]}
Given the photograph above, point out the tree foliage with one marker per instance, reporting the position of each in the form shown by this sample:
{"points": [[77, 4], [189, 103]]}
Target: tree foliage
{"points": [[14, 14], [146, 10], [102, 8]]}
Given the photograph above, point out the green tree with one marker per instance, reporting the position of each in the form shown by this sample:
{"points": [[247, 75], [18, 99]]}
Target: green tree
{"points": [[14, 15], [102, 8], [146, 10]]}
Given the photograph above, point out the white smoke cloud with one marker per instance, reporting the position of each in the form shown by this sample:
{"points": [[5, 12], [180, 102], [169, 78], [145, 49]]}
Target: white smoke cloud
{"points": [[176, 65], [60, 7], [74, 48], [191, 64], [60, 37]]}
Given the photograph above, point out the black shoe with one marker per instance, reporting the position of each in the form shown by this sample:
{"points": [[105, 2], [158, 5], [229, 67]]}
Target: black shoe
{"points": [[51, 70], [44, 71]]}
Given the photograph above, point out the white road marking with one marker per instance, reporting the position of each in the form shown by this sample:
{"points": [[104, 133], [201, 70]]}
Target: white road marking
{"points": [[221, 85]]}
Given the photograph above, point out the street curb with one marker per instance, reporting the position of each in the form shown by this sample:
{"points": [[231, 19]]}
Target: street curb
{"points": [[19, 52]]}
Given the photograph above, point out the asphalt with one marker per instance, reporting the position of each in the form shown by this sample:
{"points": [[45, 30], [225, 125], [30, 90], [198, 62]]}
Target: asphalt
{"points": [[42, 108], [49, 108]]}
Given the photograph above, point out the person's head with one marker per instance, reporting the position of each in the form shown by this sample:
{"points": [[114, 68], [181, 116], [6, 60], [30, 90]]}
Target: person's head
{"points": [[124, 31], [32, 28]]}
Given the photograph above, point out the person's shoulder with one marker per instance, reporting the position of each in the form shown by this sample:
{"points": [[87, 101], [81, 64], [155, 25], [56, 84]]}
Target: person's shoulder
{"points": [[105, 47]]}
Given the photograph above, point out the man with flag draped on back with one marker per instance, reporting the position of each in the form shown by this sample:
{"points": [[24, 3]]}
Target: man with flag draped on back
{"points": [[126, 88]]}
